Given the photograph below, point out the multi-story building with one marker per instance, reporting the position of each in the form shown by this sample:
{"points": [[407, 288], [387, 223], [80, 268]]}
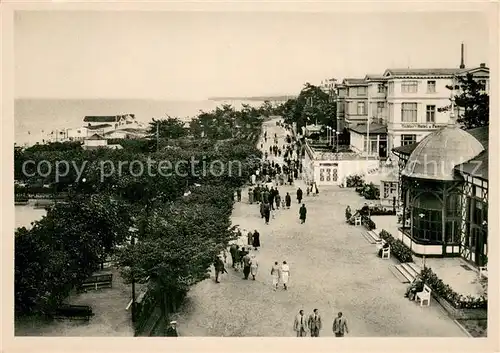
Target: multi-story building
{"points": [[414, 97], [355, 101], [403, 102]]}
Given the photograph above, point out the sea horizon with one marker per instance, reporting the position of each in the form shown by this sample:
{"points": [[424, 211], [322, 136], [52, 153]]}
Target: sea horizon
{"points": [[36, 118]]}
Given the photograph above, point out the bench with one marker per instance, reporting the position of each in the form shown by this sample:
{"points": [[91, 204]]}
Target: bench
{"points": [[386, 253], [97, 281], [72, 312], [424, 295], [483, 271]]}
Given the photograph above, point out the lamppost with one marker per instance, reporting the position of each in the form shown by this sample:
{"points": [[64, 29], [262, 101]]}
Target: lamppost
{"points": [[337, 133], [133, 231]]}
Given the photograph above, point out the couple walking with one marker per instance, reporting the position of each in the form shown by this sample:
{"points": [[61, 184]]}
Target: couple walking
{"points": [[280, 273], [301, 325]]}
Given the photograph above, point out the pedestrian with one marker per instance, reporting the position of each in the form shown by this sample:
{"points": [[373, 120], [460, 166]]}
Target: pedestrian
{"points": [[254, 266], [348, 213], [238, 194], [237, 258], [172, 329], [242, 254], [250, 238], [288, 200], [315, 189], [262, 207], [250, 196], [267, 212], [299, 195], [275, 274], [219, 268], [302, 213], [255, 240], [340, 325], [285, 274], [233, 250], [300, 324], [253, 179], [278, 200], [246, 265], [314, 323]]}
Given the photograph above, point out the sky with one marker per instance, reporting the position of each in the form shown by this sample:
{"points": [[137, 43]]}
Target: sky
{"points": [[195, 55]]}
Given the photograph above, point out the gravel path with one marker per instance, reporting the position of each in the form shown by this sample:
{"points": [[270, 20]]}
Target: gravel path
{"points": [[333, 268]]}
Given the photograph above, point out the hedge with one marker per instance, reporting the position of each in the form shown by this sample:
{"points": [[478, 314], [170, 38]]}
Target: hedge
{"points": [[398, 249], [458, 301]]}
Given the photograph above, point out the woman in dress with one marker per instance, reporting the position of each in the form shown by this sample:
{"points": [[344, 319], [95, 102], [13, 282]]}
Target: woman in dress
{"points": [[285, 274], [254, 266]]}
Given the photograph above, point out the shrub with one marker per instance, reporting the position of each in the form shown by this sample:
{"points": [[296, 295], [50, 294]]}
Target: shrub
{"points": [[354, 181], [444, 291], [368, 223], [371, 192], [398, 249], [382, 211]]}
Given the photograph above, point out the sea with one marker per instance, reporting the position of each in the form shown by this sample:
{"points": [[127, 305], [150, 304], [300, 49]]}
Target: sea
{"points": [[35, 119]]}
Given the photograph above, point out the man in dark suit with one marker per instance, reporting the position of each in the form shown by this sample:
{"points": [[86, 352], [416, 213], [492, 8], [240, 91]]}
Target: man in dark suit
{"points": [[315, 323]]}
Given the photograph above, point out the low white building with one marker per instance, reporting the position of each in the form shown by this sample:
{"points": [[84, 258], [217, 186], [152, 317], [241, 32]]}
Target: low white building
{"points": [[328, 168], [95, 141]]}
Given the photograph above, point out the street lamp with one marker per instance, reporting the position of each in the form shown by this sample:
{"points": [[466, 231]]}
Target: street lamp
{"points": [[338, 133], [133, 231]]}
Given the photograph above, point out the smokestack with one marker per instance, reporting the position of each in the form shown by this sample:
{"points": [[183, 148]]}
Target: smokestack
{"points": [[462, 65]]}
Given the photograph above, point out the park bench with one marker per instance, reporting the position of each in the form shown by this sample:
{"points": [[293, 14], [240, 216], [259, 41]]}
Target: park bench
{"points": [[72, 312], [483, 272], [386, 253], [97, 281], [424, 295]]}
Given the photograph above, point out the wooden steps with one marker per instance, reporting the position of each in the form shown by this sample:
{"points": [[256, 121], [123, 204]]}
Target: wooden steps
{"points": [[407, 270], [398, 274]]}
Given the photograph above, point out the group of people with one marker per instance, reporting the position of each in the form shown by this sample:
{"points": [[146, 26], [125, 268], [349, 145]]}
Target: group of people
{"points": [[313, 324], [280, 273]]}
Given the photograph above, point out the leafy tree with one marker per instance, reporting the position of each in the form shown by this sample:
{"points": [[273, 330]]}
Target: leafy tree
{"points": [[472, 101], [168, 128]]}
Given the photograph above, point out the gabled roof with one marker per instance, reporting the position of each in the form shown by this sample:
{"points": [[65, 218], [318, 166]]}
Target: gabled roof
{"points": [[375, 128], [100, 119], [354, 81], [421, 72], [97, 127], [373, 77], [96, 137]]}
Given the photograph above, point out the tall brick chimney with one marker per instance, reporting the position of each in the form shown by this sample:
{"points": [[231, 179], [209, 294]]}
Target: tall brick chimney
{"points": [[462, 65]]}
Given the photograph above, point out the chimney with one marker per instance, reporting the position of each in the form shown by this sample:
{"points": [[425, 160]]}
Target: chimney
{"points": [[462, 65], [482, 65]]}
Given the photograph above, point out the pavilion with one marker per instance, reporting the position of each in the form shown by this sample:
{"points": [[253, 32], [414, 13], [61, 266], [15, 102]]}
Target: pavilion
{"points": [[444, 194]]}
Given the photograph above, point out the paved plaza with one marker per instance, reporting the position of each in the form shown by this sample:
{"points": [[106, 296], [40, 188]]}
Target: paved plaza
{"points": [[332, 268]]}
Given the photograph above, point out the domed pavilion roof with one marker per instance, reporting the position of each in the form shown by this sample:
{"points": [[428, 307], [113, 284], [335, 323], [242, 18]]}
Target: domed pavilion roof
{"points": [[439, 152]]}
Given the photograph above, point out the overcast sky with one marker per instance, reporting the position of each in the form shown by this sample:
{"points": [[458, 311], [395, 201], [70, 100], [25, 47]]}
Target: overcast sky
{"points": [[189, 55]]}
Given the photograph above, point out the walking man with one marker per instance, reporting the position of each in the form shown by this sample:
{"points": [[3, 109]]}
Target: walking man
{"points": [[238, 194], [299, 195], [314, 323], [288, 200], [233, 250], [300, 324], [285, 274], [302, 213], [340, 325], [275, 273], [246, 265]]}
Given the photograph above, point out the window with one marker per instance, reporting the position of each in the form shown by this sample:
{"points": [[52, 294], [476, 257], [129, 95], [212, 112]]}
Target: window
{"points": [[430, 113], [484, 85], [380, 109], [409, 86], [409, 112], [362, 91], [361, 109], [390, 190], [431, 86], [391, 87], [390, 108], [373, 144], [381, 88], [408, 139]]}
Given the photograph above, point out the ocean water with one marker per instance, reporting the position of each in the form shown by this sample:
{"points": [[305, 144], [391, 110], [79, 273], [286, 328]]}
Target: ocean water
{"points": [[34, 119]]}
